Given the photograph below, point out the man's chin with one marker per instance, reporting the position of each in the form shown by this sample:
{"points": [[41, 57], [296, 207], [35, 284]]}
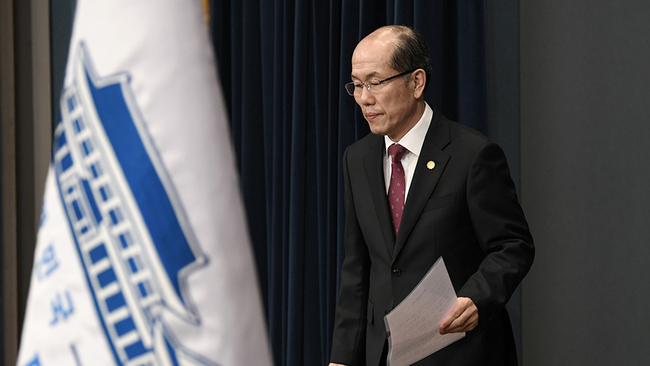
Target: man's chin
{"points": [[376, 130]]}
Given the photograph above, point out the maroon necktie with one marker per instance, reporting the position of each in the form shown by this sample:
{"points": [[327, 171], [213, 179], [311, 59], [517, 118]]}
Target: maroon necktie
{"points": [[397, 187]]}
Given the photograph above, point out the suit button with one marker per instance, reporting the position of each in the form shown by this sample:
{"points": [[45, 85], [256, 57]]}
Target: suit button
{"points": [[397, 272]]}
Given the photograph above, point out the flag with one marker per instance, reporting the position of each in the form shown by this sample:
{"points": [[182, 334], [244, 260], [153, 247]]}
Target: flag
{"points": [[142, 255]]}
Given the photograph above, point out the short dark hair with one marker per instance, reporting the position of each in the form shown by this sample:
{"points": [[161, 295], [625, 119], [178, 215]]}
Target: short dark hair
{"points": [[410, 52]]}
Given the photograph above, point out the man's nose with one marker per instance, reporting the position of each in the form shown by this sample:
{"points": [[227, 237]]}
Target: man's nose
{"points": [[365, 97]]}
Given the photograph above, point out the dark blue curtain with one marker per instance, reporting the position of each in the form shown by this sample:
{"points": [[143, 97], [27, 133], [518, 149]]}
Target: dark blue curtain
{"points": [[283, 64]]}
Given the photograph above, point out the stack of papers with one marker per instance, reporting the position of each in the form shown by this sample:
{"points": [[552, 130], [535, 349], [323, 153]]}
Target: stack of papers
{"points": [[413, 325]]}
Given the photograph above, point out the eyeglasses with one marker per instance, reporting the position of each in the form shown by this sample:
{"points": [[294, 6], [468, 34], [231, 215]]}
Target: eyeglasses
{"points": [[372, 84]]}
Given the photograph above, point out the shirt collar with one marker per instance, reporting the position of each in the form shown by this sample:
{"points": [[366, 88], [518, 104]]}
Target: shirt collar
{"points": [[414, 139]]}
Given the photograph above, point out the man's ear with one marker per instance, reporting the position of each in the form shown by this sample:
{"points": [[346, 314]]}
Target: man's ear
{"points": [[419, 78]]}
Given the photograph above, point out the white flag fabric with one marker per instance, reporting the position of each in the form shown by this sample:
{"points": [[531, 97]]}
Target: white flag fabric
{"points": [[142, 256]]}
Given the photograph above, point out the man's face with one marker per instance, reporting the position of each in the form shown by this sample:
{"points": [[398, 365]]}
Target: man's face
{"points": [[391, 108]]}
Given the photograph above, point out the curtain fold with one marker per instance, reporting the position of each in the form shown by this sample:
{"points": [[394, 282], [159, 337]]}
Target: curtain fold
{"points": [[283, 64]]}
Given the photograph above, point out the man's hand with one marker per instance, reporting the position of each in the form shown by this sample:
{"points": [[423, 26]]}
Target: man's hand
{"points": [[336, 364], [463, 318]]}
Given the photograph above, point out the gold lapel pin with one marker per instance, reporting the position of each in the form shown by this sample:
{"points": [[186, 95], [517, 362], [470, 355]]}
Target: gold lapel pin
{"points": [[431, 165]]}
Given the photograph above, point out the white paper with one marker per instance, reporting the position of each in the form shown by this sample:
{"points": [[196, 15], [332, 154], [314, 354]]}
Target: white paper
{"points": [[413, 325]]}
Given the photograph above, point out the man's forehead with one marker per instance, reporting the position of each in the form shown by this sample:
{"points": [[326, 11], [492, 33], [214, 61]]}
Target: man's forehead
{"points": [[370, 59], [367, 71], [374, 46]]}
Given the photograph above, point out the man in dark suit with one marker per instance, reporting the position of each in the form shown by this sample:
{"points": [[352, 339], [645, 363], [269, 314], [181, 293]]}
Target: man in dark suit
{"points": [[460, 203]]}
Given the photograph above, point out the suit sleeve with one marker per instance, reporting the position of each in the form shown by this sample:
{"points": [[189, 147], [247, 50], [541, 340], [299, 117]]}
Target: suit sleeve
{"points": [[348, 342], [501, 230]]}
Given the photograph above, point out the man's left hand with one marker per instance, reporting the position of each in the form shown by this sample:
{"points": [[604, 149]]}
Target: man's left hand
{"points": [[463, 318]]}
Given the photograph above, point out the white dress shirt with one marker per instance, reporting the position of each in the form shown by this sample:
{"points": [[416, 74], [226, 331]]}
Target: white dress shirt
{"points": [[412, 141]]}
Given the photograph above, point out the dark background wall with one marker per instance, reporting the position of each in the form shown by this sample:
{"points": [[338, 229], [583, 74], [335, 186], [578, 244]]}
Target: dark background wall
{"points": [[25, 144], [585, 153], [502, 59]]}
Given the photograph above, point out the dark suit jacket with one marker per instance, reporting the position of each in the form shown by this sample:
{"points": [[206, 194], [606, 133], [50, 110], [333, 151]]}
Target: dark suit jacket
{"points": [[466, 210]]}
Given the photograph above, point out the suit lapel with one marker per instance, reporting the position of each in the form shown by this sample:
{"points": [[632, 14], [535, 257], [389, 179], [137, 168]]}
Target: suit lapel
{"points": [[425, 178], [374, 167]]}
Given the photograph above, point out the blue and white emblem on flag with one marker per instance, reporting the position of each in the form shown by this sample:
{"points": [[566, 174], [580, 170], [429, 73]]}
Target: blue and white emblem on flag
{"points": [[134, 241], [142, 256]]}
